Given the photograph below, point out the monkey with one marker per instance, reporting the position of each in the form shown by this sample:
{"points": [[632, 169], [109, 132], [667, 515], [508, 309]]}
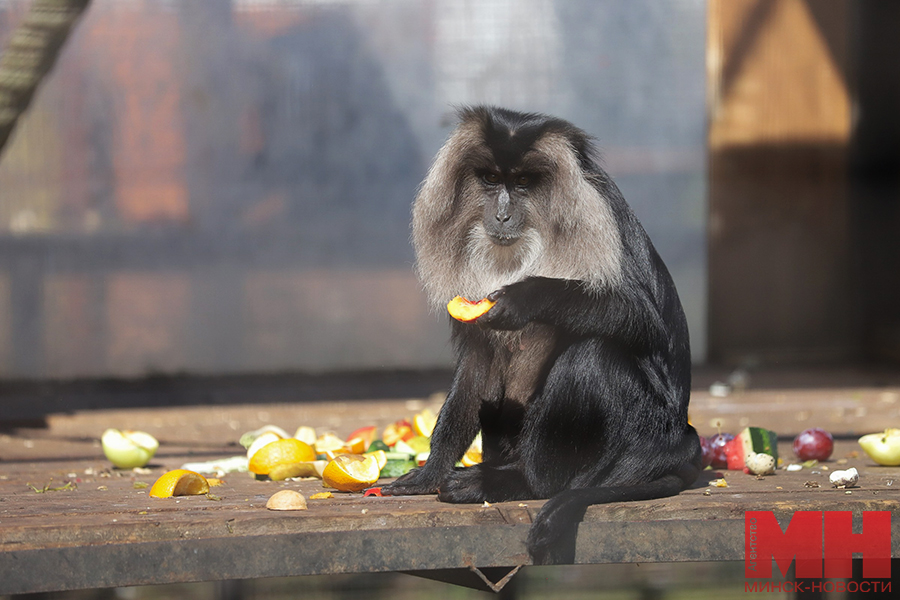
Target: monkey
{"points": [[579, 375]]}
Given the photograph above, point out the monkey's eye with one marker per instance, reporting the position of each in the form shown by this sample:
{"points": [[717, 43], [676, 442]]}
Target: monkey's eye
{"points": [[523, 181], [491, 178]]}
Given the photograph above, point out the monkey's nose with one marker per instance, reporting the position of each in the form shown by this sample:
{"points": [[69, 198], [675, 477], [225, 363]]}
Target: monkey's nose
{"points": [[502, 217]]}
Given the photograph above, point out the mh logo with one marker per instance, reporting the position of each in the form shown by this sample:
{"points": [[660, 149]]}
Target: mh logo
{"points": [[821, 543]]}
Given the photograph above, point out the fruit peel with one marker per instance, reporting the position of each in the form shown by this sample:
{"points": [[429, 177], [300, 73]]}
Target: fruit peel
{"points": [[286, 500], [351, 472], [179, 482]]}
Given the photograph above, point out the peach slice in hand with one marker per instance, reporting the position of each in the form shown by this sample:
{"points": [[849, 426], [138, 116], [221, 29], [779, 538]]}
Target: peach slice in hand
{"points": [[467, 311]]}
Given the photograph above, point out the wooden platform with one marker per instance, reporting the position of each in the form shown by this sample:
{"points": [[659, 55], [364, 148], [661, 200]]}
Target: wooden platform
{"points": [[69, 521]]}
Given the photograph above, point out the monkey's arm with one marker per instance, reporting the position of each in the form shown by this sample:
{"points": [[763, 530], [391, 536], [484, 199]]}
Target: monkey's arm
{"points": [[458, 422], [625, 312]]}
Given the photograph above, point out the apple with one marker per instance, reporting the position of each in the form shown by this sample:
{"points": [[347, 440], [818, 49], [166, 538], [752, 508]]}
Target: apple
{"points": [[128, 449], [884, 447]]}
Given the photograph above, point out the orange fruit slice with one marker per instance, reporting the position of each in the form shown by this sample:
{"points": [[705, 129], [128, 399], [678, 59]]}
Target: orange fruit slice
{"points": [[351, 472], [179, 482], [380, 457], [424, 422], [465, 310], [328, 441], [471, 457], [280, 452]]}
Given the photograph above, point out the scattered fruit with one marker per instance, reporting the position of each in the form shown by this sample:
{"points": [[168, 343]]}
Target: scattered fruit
{"points": [[284, 471], [279, 452], [128, 449], [365, 433], [179, 482], [844, 479], [706, 452], [286, 500], [351, 472], [306, 434], [321, 496], [329, 442], [717, 444], [380, 457], [397, 467], [474, 454], [248, 438], [751, 439], [220, 466], [356, 445], [813, 444], [884, 447], [467, 311], [424, 422], [397, 431], [375, 491], [262, 440]]}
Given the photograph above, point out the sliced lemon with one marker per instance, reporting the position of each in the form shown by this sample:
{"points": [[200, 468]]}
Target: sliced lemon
{"points": [[466, 311], [280, 452], [424, 422], [351, 472], [179, 482]]}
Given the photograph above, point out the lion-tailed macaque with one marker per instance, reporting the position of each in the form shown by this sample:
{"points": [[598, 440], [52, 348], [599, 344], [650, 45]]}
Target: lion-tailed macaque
{"points": [[579, 375]]}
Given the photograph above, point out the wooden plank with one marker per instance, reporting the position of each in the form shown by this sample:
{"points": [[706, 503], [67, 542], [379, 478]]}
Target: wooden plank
{"points": [[107, 532]]}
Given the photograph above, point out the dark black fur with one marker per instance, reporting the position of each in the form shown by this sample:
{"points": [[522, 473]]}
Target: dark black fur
{"points": [[607, 420]]}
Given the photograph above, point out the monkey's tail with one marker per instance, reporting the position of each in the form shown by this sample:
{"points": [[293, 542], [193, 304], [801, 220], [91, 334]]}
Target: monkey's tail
{"points": [[551, 539]]}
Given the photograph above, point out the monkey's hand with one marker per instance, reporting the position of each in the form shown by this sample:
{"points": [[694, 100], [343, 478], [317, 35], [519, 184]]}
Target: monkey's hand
{"points": [[515, 305], [415, 483]]}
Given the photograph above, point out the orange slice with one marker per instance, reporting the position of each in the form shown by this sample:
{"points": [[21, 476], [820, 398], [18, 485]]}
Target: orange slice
{"points": [[466, 311], [328, 441], [380, 457], [471, 457], [424, 422], [179, 482], [351, 472], [280, 452]]}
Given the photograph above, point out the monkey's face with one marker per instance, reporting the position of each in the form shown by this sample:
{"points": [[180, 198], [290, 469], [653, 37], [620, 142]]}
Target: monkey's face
{"points": [[506, 203], [509, 196]]}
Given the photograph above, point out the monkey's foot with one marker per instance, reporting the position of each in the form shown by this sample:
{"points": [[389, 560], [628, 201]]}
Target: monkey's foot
{"points": [[417, 482], [483, 483]]}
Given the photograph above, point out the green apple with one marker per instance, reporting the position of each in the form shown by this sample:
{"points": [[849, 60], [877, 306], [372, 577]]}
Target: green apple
{"points": [[128, 449], [884, 447]]}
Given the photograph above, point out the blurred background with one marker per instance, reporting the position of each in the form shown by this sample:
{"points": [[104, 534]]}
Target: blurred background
{"points": [[224, 187], [215, 186]]}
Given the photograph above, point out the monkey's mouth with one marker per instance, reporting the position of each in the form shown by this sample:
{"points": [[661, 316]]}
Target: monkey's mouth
{"points": [[504, 239]]}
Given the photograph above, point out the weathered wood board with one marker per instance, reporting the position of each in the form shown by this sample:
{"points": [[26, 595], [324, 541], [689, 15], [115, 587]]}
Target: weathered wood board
{"points": [[105, 531]]}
